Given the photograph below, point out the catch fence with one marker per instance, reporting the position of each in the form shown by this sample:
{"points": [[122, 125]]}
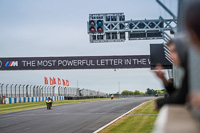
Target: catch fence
{"points": [[19, 90]]}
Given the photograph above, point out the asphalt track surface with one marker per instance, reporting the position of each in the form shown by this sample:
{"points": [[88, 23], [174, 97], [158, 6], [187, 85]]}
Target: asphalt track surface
{"points": [[70, 118]]}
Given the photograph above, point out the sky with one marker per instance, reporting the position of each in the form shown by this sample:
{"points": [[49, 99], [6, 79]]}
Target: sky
{"points": [[55, 28]]}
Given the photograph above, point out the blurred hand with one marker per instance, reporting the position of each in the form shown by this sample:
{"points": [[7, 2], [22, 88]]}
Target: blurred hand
{"points": [[159, 73], [195, 99]]}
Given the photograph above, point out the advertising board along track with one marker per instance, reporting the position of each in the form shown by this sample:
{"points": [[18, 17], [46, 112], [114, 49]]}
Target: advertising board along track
{"points": [[75, 62]]}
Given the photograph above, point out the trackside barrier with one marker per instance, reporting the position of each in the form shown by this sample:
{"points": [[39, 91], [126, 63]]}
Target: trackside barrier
{"points": [[31, 99], [19, 90]]}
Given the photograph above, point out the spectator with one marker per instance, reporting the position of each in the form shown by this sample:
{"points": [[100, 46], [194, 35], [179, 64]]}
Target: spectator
{"points": [[168, 84], [178, 53], [192, 20]]}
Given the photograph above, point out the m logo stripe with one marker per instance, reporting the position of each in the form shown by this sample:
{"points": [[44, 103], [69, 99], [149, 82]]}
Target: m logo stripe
{"points": [[7, 63], [10, 63]]}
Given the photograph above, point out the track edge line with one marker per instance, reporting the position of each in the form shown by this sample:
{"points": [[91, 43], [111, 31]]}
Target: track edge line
{"points": [[98, 130]]}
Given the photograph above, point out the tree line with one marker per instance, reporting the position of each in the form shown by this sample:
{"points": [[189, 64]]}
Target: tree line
{"points": [[148, 92]]}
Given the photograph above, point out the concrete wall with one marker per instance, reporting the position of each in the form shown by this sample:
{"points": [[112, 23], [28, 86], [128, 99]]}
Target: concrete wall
{"points": [[31, 99]]}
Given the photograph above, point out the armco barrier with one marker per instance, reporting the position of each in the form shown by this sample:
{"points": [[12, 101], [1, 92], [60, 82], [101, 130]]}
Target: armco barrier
{"points": [[31, 99]]}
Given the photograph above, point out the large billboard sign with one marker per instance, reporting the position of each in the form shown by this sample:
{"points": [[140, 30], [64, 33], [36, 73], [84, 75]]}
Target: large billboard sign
{"points": [[75, 62]]}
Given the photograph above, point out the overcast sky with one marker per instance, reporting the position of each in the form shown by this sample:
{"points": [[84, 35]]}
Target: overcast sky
{"points": [[43, 28]]}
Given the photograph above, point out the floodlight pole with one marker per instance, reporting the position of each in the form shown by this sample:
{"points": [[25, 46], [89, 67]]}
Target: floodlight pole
{"points": [[119, 86]]}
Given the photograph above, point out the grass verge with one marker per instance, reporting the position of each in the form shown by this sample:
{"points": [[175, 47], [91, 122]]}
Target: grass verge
{"points": [[140, 120], [6, 108]]}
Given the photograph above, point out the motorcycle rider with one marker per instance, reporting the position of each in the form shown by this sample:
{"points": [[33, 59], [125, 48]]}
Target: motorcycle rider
{"points": [[112, 96], [50, 99]]}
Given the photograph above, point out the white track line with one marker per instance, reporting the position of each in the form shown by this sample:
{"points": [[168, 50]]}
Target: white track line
{"points": [[117, 118]]}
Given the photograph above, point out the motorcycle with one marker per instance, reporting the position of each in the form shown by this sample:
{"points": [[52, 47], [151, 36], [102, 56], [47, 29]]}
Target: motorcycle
{"points": [[112, 97], [49, 104]]}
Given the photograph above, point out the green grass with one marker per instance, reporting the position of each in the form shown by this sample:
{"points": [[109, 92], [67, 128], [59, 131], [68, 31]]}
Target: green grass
{"points": [[140, 120], [6, 108]]}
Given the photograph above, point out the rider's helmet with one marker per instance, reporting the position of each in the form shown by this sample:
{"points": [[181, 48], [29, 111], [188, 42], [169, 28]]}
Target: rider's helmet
{"points": [[48, 97]]}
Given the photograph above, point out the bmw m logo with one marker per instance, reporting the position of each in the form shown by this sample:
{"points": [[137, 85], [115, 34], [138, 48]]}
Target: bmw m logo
{"points": [[11, 63]]}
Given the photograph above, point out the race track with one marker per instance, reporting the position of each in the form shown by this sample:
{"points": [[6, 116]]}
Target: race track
{"points": [[70, 118]]}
